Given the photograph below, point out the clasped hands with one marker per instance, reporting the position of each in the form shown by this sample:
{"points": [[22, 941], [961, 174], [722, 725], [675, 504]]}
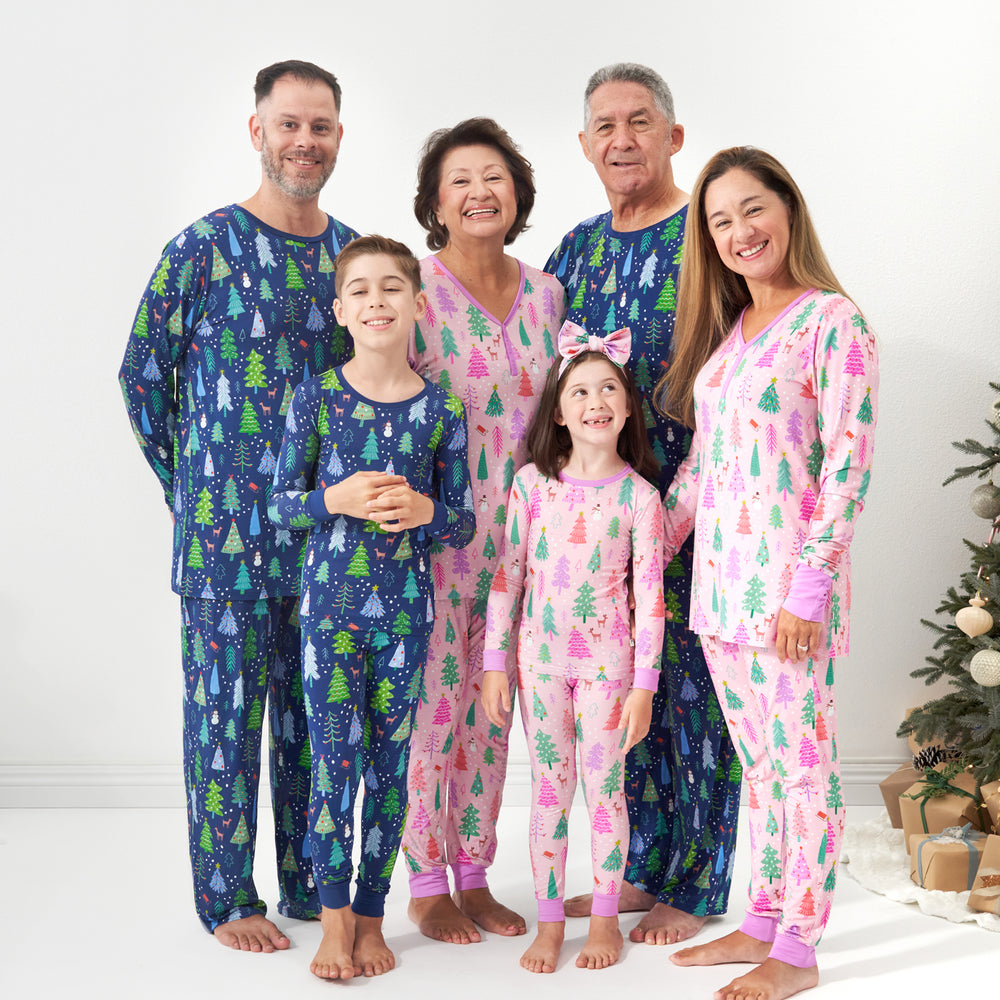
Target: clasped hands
{"points": [[376, 496]]}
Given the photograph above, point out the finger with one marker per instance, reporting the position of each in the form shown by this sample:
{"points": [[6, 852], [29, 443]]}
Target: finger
{"points": [[505, 699]]}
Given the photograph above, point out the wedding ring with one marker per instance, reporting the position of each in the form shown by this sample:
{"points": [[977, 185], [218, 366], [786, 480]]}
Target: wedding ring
{"points": [[801, 646]]}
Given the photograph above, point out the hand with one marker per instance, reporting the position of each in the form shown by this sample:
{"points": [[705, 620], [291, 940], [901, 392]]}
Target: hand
{"points": [[495, 696], [797, 639], [353, 494], [636, 713], [402, 506]]}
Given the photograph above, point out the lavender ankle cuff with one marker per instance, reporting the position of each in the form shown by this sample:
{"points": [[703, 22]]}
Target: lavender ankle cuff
{"points": [[792, 951], [550, 911], [604, 905], [469, 876], [432, 883], [759, 927]]}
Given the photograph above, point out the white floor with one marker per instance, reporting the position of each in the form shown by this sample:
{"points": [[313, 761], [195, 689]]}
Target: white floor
{"points": [[97, 904]]}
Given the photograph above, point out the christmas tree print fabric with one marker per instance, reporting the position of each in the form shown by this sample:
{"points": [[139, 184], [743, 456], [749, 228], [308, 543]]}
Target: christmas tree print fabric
{"points": [[497, 368], [779, 469], [235, 315], [354, 571]]}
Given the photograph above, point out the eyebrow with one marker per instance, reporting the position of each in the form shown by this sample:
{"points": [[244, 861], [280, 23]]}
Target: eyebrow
{"points": [[631, 115], [391, 276], [745, 201]]}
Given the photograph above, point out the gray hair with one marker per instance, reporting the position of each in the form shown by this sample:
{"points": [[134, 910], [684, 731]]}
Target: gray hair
{"points": [[627, 72]]}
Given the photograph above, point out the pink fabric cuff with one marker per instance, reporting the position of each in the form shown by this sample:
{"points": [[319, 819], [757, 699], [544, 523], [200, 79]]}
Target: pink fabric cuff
{"points": [[469, 876], [646, 678], [550, 911], [808, 594], [429, 883], [759, 927], [604, 905], [494, 659], [792, 951]]}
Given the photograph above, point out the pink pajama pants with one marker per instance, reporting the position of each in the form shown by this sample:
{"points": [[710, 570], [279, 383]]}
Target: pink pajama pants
{"points": [[562, 716], [458, 761], [782, 720]]}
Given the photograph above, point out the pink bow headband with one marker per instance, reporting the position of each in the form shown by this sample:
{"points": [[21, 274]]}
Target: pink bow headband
{"points": [[574, 340]]}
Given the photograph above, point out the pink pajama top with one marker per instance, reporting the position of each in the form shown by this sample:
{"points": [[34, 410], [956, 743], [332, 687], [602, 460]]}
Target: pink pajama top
{"points": [[777, 473]]}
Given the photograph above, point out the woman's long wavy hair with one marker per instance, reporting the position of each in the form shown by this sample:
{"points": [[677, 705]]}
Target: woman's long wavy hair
{"points": [[711, 296]]}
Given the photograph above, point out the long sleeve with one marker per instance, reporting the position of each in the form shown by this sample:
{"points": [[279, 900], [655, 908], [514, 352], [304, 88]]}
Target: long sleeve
{"points": [[454, 521], [295, 501], [680, 503], [647, 587]]}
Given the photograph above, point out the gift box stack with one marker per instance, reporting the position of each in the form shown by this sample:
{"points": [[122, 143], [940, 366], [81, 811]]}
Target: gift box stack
{"points": [[951, 826]]}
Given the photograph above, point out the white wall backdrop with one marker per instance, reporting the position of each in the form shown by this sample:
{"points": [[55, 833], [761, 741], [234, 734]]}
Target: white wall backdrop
{"points": [[125, 122]]}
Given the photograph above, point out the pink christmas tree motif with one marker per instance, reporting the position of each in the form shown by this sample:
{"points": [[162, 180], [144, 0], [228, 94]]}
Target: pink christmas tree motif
{"points": [[783, 693], [750, 729], [497, 441], [619, 629], [808, 504], [863, 448], [808, 757], [736, 483], [793, 429], [477, 364], [708, 498], [854, 363], [808, 786], [437, 571], [602, 820], [595, 758], [799, 829], [518, 426], [532, 314], [743, 521], [822, 733], [766, 360], [800, 870], [546, 793], [733, 565], [735, 436], [716, 380], [430, 314], [442, 714], [614, 716], [741, 637], [535, 503], [771, 439], [574, 495], [420, 821], [577, 645], [807, 908], [560, 578], [761, 903]]}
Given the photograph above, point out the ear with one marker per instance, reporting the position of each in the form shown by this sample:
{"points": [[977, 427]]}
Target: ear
{"points": [[558, 417], [338, 312], [676, 139], [585, 146], [256, 132], [421, 303]]}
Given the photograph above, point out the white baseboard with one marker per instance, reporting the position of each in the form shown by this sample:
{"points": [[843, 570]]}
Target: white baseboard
{"points": [[99, 786]]}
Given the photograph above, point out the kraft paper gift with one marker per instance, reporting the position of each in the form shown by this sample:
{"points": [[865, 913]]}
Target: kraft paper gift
{"points": [[893, 786], [944, 797], [946, 861], [985, 895], [991, 800]]}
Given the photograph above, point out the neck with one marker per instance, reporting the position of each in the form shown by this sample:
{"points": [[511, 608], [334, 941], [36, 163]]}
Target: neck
{"points": [[767, 301], [634, 211], [385, 377], [479, 261], [297, 216], [593, 463]]}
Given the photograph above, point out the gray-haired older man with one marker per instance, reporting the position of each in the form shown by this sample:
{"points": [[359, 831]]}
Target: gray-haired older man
{"points": [[620, 269]]}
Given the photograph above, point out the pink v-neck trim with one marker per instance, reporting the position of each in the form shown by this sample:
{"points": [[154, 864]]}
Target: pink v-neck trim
{"points": [[777, 319], [479, 305]]}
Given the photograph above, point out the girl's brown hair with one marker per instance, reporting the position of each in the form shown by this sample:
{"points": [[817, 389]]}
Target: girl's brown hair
{"points": [[550, 444], [710, 296]]}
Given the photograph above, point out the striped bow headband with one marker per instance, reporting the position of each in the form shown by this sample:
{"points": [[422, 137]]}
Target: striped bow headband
{"points": [[574, 340]]}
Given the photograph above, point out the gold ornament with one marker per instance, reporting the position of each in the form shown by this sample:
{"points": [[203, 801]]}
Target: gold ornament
{"points": [[985, 501], [974, 620], [985, 667]]}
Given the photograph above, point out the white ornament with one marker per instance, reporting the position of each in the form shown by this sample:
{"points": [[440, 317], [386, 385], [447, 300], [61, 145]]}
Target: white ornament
{"points": [[985, 501], [985, 667], [974, 620]]}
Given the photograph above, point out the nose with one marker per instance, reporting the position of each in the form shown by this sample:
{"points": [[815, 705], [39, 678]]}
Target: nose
{"points": [[624, 137]]}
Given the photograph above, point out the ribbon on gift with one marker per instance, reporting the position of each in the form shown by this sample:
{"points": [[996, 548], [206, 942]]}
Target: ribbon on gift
{"points": [[937, 784], [953, 835]]}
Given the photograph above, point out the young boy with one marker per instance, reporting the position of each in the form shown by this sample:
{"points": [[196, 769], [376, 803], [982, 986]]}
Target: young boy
{"points": [[373, 463]]}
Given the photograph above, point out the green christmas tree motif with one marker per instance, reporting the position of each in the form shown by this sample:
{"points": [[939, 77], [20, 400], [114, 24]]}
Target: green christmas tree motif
{"points": [[769, 401], [293, 277], [159, 282], [203, 508], [358, 565], [494, 408], [249, 424]]}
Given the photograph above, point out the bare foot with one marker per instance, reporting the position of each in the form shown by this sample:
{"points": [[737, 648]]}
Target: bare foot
{"points": [[772, 980], [333, 958], [604, 944], [631, 900], [730, 948], [666, 925], [480, 906], [441, 920], [543, 954], [255, 933], [372, 956]]}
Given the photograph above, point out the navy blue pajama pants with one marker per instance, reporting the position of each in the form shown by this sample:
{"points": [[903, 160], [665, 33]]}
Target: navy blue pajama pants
{"points": [[683, 780], [241, 660], [361, 689]]}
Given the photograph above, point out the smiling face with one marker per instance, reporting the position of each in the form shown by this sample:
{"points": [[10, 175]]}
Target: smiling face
{"points": [[629, 141], [297, 131], [751, 227], [593, 403], [378, 303], [476, 196]]}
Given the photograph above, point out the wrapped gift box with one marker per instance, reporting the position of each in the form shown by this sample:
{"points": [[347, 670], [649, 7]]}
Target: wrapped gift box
{"points": [[991, 801], [947, 861], [985, 895], [939, 800], [893, 787]]}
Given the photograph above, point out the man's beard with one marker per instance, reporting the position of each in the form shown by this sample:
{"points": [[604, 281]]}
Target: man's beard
{"points": [[307, 187]]}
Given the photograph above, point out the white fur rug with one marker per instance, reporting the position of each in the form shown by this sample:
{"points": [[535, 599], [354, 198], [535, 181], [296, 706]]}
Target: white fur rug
{"points": [[874, 856]]}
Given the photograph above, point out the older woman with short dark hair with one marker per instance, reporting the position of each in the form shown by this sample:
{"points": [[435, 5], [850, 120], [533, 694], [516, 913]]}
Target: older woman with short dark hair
{"points": [[488, 336]]}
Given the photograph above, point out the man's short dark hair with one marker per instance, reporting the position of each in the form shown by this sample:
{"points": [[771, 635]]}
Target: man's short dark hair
{"points": [[306, 71]]}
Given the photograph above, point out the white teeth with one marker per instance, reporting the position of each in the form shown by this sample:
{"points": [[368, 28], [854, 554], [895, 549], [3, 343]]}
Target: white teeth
{"points": [[751, 250]]}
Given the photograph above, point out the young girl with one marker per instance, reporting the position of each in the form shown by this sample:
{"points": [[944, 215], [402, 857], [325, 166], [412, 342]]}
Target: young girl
{"points": [[580, 519]]}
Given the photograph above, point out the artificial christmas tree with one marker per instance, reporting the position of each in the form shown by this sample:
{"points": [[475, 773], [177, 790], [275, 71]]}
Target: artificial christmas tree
{"points": [[968, 717]]}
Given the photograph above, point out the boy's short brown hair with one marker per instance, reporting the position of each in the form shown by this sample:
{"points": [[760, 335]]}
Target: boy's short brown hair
{"points": [[370, 246]]}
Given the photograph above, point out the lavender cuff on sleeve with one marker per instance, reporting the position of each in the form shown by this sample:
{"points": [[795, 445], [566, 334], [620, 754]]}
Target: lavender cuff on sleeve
{"points": [[494, 659], [646, 678], [808, 594]]}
